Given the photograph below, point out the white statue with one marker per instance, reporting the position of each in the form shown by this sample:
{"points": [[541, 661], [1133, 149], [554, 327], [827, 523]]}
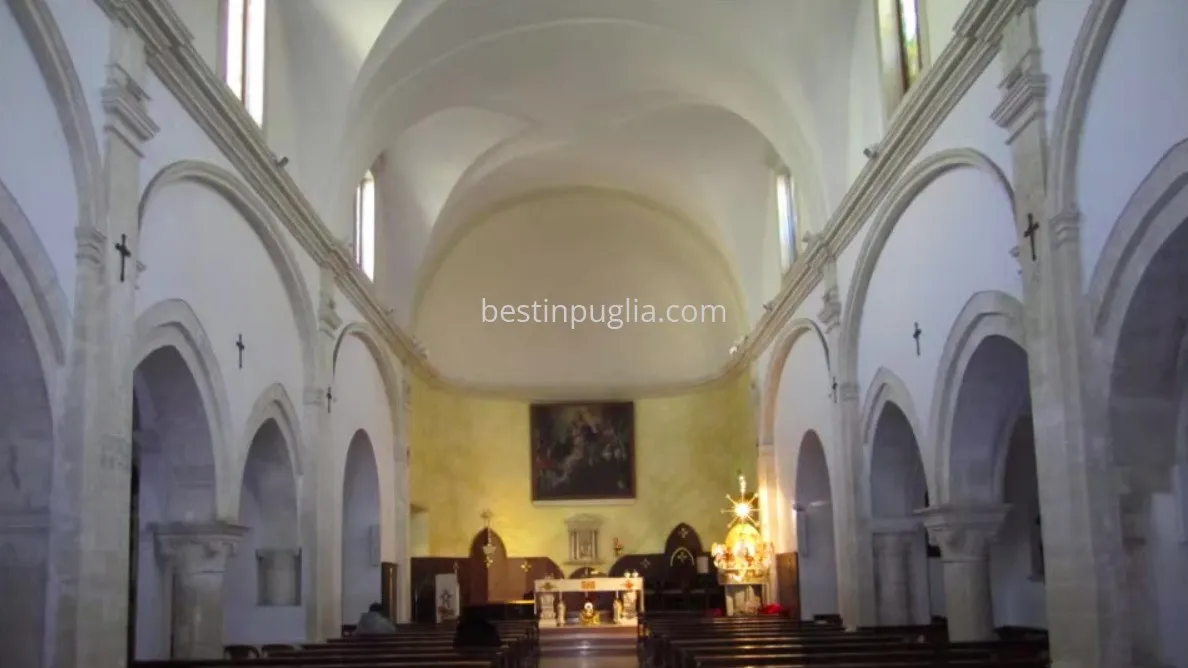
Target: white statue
{"points": [[560, 613], [729, 606], [618, 613], [546, 607], [629, 604]]}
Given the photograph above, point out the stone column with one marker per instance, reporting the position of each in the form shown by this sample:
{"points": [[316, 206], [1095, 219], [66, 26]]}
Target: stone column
{"points": [[964, 535], [852, 547], [279, 573], [1083, 553], [893, 580], [196, 554], [318, 498], [89, 542], [769, 495]]}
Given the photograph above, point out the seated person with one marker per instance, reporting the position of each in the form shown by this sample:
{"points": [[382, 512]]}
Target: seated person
{"points": [[475, 631], [374, 622]]}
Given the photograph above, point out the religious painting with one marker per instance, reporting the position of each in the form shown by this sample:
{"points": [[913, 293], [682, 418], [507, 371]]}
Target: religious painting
{"points": [[583, 452]]}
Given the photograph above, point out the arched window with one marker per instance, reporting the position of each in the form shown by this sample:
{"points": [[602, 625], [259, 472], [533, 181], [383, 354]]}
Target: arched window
{"points": [[902, 47], [365, 225], [786, 219], [243, 53]]}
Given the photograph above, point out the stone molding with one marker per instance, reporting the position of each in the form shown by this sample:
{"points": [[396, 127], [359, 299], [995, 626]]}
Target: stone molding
{"points": [[180, 67], [964, 532], [125, 102], [198, 547]]}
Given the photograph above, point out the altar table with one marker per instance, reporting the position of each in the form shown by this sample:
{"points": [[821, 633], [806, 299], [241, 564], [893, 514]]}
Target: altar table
{"points": [[595, 584]]}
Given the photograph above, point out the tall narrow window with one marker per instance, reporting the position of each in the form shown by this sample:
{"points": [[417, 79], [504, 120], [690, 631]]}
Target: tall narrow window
{"points": [[243, 55], [365, 225], [786, 218], [911, 58]]}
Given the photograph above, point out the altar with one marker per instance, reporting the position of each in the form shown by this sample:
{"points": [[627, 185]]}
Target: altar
{"points": [[552, 608]]}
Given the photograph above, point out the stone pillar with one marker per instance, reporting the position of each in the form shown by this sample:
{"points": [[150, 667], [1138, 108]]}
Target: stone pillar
{"points": [[196, 554], [318, 498], [279, 574], [88, 544], [964, 535], [852, 547], [769, 496], [893, 579], [1083, 553]]}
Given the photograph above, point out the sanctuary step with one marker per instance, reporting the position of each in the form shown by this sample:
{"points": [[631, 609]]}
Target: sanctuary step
{"points": [[588, 641]]}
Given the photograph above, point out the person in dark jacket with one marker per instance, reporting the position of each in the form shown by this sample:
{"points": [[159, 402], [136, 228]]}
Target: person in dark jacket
{"points": [[474, 631]]}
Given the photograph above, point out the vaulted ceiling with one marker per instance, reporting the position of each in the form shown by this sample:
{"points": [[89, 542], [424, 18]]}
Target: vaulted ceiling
{"points": [[687, 104]]}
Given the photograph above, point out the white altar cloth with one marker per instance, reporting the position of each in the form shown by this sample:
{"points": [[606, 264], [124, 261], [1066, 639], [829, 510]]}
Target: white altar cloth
{"points": [[588, 585]]}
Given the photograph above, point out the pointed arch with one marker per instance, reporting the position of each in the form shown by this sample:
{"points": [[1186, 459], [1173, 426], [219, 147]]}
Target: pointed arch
{"points": [[1073, 105], [775, 370], [887, 388], [267, 230], [272, 404], [986, 314], [45, 40], [897, 201], [173, 323], [26, 268], [393, 387]]}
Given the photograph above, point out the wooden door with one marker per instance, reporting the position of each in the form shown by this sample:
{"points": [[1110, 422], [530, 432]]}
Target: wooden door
{"points": [[788, 573]]}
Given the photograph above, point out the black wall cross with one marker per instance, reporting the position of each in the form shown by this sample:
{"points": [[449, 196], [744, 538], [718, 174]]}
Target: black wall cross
{"points": [[916, 335], [239, 344], [1029, 232], [125, 253], [833, 391], [329, 397]]}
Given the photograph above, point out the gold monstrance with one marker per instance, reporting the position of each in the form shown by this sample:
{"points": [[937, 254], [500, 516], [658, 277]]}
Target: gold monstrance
{"points": [[745, 558]]}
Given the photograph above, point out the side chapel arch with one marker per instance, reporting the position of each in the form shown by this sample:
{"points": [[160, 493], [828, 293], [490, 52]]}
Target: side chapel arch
{"points": [[887, 388], [986, 314], [273, 404], [260, 219], [771, 389], [367, 335], [172, 323], [897, 201]]}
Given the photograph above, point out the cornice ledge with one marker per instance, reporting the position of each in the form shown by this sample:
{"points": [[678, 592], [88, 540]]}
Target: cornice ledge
{"points": [[922, 111], [625, 392]]}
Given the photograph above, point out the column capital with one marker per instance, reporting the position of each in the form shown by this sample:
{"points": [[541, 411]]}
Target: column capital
{"points": [[198, 547], [964, 532]]}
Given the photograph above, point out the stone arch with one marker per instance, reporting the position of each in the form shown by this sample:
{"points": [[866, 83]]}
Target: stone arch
{"points": [[886, 397], [897, 201], [45, 40], [273, 404], [987, 316], [775, 370], [25, 267], [360, 569], [1139, 319], [264, 579], [366, 334], [33, 316], [886, 389], [263, 223], [1079, 78], [172, 323], [813, 504]]}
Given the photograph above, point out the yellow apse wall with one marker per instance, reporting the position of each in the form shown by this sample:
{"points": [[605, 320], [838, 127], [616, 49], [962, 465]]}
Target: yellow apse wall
{"points": [[471, 453]]}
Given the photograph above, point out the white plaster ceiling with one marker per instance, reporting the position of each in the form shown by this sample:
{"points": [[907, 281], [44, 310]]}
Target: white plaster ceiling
{"points": [[688, 103]]}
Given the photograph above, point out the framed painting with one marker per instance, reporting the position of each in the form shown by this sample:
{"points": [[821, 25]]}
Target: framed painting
{"points": [[583, 452]]}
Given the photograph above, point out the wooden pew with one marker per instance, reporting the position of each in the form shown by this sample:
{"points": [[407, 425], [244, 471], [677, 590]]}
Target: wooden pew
{"points": [[759, 641]]}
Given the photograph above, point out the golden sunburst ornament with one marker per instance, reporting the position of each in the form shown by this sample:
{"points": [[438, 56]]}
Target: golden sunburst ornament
{"points": [[744, 508]]}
